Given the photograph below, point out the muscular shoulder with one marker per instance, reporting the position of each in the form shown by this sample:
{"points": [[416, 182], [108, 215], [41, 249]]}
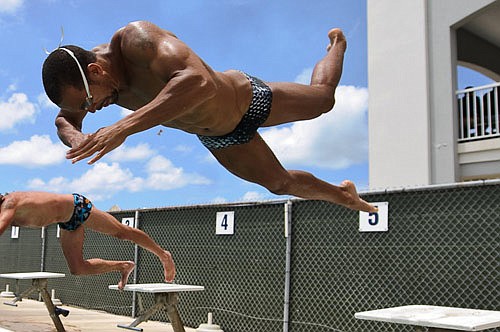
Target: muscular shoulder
{"points": [[10, 201], [142, 42]]}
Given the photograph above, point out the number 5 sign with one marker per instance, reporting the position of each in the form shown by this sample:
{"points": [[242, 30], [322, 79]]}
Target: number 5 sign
{"points": [[375, 222], [224, 223]]}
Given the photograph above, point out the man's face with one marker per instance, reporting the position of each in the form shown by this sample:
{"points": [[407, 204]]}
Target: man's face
{"points": [[76, 100]]}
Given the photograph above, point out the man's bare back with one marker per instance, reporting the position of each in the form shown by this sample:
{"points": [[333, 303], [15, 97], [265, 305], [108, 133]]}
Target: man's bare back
{"points": [[37, 209]]}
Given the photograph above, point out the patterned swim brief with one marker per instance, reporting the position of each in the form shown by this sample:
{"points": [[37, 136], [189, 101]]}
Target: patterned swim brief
{"points": [[256, 115], [80, 214]]}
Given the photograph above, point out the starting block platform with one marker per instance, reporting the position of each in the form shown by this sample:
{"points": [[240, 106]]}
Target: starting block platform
{"points": [[436, 318], [38, 284], [166, 298]]}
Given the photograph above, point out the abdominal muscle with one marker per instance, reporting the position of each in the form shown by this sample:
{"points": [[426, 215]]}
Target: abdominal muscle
{"points": [[221, 114]]}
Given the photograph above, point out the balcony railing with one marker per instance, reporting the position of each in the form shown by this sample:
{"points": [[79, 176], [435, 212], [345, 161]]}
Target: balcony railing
{"points": [[479, 112]]}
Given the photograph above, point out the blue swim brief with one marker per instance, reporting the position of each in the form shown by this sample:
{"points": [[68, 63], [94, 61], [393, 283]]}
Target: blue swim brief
{"points": [[80, 214], [257, 114]]}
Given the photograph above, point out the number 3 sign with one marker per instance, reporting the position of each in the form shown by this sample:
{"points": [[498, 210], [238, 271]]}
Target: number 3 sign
{"points": [[225, 223], [375, 222]]}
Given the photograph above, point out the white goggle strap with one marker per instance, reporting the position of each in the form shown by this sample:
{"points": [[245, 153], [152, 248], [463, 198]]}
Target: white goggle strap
{"points": [[85, 83]]}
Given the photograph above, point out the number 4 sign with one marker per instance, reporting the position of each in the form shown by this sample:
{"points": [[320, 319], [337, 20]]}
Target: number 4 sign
{"points": [[224, 223], [375, 222]]}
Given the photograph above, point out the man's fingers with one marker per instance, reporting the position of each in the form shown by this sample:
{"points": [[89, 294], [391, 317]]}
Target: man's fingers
{"points": [[96, 158], [85, 153], [80, 149], [101, 153], [93, 144], [85, 150]]}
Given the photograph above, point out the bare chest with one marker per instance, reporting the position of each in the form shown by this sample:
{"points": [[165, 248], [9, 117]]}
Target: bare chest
{"points": [[141, 89], [216, 116]]}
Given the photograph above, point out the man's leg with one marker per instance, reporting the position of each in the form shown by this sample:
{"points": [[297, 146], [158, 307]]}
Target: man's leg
{"points": [[294, 102], [255, 162], [103, 222], [72, 246]]}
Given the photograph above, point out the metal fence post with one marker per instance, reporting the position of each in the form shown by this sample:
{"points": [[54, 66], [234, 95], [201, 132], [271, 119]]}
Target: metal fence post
{"points": [[42, 254], [288, 236], [136, 261]]}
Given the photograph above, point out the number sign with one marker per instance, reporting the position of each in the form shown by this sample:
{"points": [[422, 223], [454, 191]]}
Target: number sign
{"points": [[129, 222], [224, 223], [14, 232], [375, 221]]}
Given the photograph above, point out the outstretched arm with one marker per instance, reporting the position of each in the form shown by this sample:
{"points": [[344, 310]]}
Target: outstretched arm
{"points": [[69, 127], [188, 82]]}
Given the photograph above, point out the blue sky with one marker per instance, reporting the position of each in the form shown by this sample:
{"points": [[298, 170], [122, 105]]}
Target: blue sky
{"points": [[279, 40]]}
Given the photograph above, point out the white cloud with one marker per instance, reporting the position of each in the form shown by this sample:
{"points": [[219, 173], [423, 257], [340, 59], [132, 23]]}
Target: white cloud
{"points": [[253, 196], [16, 110], [183, 148], [100, 182], [335, 140], [209, 158], [38, 151], [125, 111], [218, 200], [10, 6], [111, 177], [163, 175], [45, 102], [139, 152], [104, 180], [304, 77]]}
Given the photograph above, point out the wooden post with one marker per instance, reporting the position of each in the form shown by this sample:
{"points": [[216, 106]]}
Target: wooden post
{"points": [[41, 285]]}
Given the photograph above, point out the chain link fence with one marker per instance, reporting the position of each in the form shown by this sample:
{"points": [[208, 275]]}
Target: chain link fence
{"points": [[442, 248]]}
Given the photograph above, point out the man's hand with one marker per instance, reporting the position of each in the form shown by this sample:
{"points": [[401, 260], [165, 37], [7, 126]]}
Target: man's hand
{"points": [[101, 142], [77, 140]]}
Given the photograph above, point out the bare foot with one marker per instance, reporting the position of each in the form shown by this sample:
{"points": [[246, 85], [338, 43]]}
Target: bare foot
{"points": [[168, 266], [355, 202], [128, 267], [336, 38]]}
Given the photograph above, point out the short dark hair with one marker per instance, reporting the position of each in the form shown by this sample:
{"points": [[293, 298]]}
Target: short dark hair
{"points": [[60, 70]]}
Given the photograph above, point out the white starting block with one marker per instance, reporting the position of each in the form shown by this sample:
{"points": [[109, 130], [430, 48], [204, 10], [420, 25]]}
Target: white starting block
{"points": [[38, 283], [5, 330], [7, 293], [166, 298], [437, 319]]}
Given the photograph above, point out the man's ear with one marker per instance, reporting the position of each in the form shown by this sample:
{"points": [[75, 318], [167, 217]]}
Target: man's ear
{"points": [[94, 69]]}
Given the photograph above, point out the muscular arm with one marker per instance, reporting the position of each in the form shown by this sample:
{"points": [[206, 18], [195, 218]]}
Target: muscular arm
{"points": [[69, 127], [183, 92], [188, 83]]}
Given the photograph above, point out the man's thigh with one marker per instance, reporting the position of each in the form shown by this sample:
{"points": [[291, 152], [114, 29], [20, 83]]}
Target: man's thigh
{"points": [[103, 222], [295, 102], [253, 161], [72, 246]]}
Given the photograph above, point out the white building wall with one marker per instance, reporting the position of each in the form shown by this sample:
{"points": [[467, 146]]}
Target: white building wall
{"points": [[411, 81], [399, 131]]}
